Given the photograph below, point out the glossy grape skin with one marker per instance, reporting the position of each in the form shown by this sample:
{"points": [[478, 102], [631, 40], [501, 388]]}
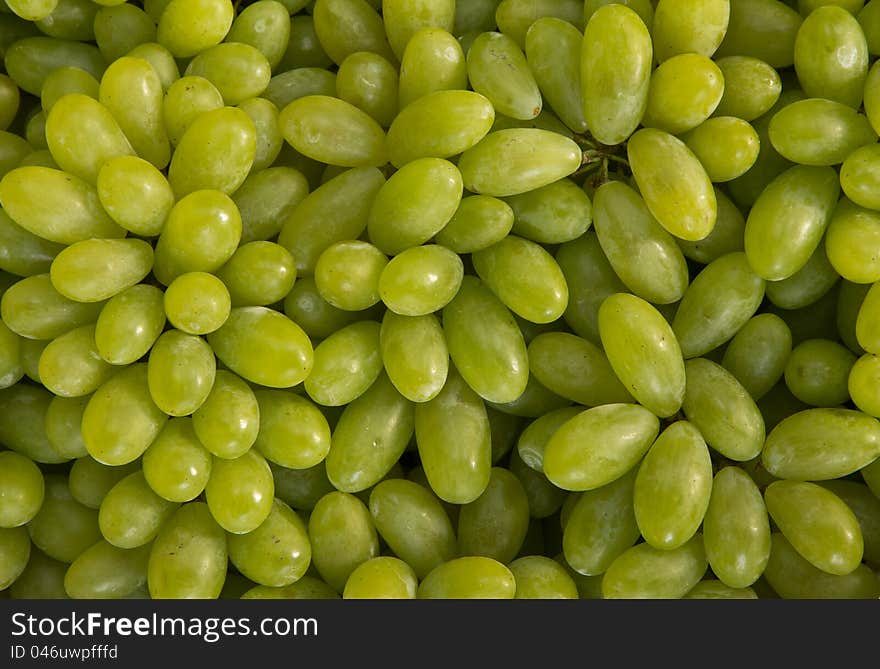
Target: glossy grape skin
{"points": [[504, 162], [857, 176], [432, 61], [131, 513], [342, 537], [478, 222], [817, 523], [533, 439], [468, 577], [764, 29], [344, 27], [293, 432], [347, 274], [266, 199], [820, 444], [104, 571], [684, 91], [239, 71], [806, 286], [188, 559], [736, 529], [497, 69], [817, 372], [129, 323], [285, 87], [553, 214], [70, 365], [726, 146], [420, 280], [751, 87], [265, 25], [29, 60], [176, 465], [185, 100], [265, 117], [277, 553], [414, 354], [161, 59], [64, 80], [240, 491], [644, 572], [187, 28], [643, 351], [63, 528], [93, 270], [485, 343], [23, 489], [383, 577], [62, 422], [121, 420], [135, 194]]}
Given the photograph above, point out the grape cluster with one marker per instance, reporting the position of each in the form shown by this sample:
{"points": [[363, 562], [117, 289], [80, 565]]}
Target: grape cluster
{"points": [[426, 298]]}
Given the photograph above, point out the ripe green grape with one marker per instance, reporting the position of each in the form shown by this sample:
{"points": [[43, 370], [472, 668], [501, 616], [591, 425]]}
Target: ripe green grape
{"points": [[239, 71], [347, 274], [93, 270], [23, 489], [188, 28], [817, 372], [468, 577], [135, 194], [383, 577], [414, 354], [104, 571], [751, 87], [763, 29], [240, 492], [176, 465], [131, 513], [645, 572], [185, 100], [684, 91], [497, 68], [70, 365], [129, 324], [862, 384], [431, 61]]}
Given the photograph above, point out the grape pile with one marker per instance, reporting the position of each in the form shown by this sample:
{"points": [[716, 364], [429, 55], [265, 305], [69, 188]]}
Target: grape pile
{"points": [[437, 299]]}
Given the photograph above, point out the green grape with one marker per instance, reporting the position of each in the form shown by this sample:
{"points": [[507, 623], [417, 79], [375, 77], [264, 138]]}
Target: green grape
{"points": [[726, 237], [643, 351], [862, 384], [303, 47], [135, 194], [793, 577], [369, 82], [645, 572], [120, 28], [553, 47], [383, 577], [131, 514], [682, 200], [497, 69], [23, 411], [717, 404], [32, 10], [615, 66], [263, 346], [129, 323], [176, 466], [23, 489], [517, 160], [161, 60], [32, 308], [83, 154], [62, 422], [94, 270], [817, 372], [867, 18], [337, 211], [485, 343], [70, 365], [831, 56], [347, 274], [420, 280], [15, 548], [344, 27], [544, 498], [299, 82], [132, 91], [104, 571], [539, 577], [793, 131], [188, 27], [806, 286], [672, 487], [307, 587], [850, 298], [318, 318], [495, 523], [29, 60], [55, 205], [404, 18], [866, 321], [726, 146], [683, 26], [439, 124], [414, 204], [64, 80], [292, 430], [432, 61], [704, 319], [265, 25], [683, 92], [643, 254], [819, 444], [216, 151], [301, 488], [227, 422], [258, 274], [763, 29], [22, 252], [266, 200], [342, 537], [185, 100], [599, 445], [413, 523], [346, 364], [63, 528], [532, 442], [553, 214], [414, 354], [181, 372], [715, 589], [736, 529], [42, 578], [590, 278], [866, 508], [239, 71], [11, 368], [188, 559], [197, 303], [372, 433], [468, 577], [828, 535], [857, 176], [751, 87], [277, 553], [575, 369], [240, 492]]}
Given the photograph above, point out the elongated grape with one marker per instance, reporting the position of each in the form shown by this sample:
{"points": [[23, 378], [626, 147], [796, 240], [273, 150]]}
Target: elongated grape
{"points": [[293, 432], [285, 87], [90, 481], [180, 372], [185, 100], [187, 28], [23, 489], [369, 82], [684, 91], [22, 252], [420, 280], [70, 365], [29, 60], [806, 286], [137, 196], [176, 465], [764, 29], [414, 355], [556, 213], [495, 524], [681, 27], [861, 384], [432, 61], [240, 492], [94, 270], [104, 571], [820, 444], [131, 514], [265, 25], [239, 71], [497, 69], [817, 372], [736, 529], [62, 422], [266, 200], [197, 303], [726, 237], [344, 27], [468, 577], [751, 87], [129, 323], [726, 146], [645, 572]]}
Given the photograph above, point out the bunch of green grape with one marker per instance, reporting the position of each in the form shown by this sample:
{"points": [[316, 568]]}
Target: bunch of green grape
{"points": [[438, 299]]}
